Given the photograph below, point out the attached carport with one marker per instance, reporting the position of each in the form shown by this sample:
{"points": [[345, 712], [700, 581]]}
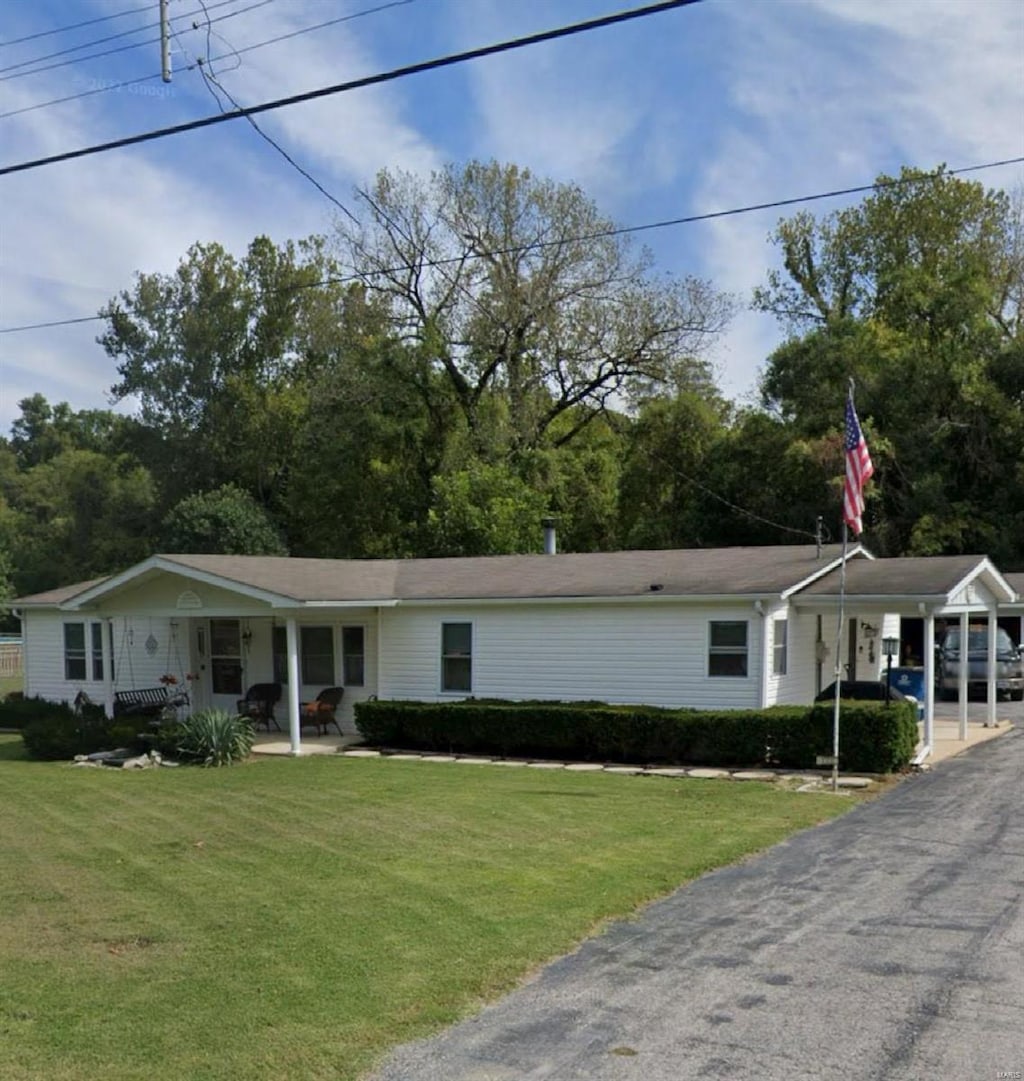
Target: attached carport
{"points": [[966, 588]]}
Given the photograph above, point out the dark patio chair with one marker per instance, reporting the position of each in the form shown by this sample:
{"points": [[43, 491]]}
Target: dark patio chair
{"points": [[321, 712], [258, 704]]}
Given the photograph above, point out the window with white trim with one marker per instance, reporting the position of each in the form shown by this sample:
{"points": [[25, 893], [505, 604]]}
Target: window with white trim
{"points": [[83, 651], [353, 656], [96, 631], [316, 655], [457, 657], [727, 647], [780, 647], [74, 651]]}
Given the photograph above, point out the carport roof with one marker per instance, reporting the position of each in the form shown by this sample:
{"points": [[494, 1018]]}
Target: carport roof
{"points": [[1016, 580], [910, 577]]}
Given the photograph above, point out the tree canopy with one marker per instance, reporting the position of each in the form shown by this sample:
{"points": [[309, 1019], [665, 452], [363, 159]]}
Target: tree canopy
{"points": [[481, 349]]}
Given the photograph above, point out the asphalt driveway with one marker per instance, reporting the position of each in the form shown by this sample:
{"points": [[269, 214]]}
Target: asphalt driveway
{"points": [[888, 944]]}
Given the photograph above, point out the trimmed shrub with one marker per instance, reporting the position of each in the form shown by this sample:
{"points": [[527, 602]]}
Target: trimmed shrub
{"points": [[875, 738], [214, 737], [59, 733], [16, 712]]}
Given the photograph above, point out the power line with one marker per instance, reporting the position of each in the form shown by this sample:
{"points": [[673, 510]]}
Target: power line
{"points": [[355, 84], [101, 41], [624, 230], [212, 59], [76, 26], [125, 48], [210, 80]]}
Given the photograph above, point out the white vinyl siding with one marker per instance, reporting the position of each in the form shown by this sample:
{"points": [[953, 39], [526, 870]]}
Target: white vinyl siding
{"points": [[646, 652], [43, 633]]}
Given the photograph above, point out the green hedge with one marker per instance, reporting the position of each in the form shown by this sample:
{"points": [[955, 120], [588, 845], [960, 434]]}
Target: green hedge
{"points": [[874, 737], [16, 710], [53, 730]]}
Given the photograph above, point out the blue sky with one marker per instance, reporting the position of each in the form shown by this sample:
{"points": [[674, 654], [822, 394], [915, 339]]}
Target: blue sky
{"points": [[707, 107]]}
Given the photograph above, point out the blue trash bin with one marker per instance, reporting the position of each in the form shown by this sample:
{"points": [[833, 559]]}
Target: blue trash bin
{"points": [[909, 681]]}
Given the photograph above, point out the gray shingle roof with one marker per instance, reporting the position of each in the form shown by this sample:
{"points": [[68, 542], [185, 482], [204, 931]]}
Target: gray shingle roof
{"points": [[1016, 580], [56, 596], [679, 572], [903, 577]]}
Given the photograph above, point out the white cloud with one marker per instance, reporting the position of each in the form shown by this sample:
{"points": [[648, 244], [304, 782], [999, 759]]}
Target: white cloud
{"points": [[73, 234], [831, 93]]}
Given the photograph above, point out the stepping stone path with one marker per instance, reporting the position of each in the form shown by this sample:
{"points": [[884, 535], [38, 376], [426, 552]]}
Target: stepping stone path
{"points": [[475, 761], [584, 767], [853, 782], [362, 754], [753, 775], [708, 774]]}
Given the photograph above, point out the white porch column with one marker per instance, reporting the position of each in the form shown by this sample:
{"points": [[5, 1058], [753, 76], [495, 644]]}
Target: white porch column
{"points": [[292, 640], [107, 653], [993, 646], [929, 682], [961, 687]]}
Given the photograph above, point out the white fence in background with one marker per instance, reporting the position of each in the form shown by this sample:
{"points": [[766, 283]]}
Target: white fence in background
{"points": [[12, 659]]}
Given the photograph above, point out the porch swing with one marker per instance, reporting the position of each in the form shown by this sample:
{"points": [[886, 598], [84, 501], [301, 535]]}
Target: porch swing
{"points": [[148, 701]]}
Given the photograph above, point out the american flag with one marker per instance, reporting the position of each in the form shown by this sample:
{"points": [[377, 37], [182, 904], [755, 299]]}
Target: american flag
{"points": [[858, 470]]}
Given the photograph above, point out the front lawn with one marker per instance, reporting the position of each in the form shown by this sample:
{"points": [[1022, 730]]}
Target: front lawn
{"points": [[292, 919]]}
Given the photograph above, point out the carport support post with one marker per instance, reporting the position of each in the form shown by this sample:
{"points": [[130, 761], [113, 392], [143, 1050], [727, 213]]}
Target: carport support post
{"points": [[929, 681], [292, 644], [965, 663], [993, 648]]}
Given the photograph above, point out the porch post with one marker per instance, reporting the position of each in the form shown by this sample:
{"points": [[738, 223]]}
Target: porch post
{"points": [[292, 640], [107, 653], [929, 682], [993, 646], [961, 690]]}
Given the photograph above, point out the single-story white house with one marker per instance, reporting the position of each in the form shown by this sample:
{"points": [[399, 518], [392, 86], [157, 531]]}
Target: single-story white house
{"points": [[717, 628]]}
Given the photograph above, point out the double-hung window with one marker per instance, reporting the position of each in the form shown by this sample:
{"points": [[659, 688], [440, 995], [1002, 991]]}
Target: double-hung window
{"points": [[353, 656], [316, 654], [456, 657], [83, 651], [779, 647], [74, 651], [727, 648]]}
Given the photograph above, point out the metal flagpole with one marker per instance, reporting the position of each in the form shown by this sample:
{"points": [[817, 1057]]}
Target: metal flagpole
{"points": [[839, 642]]}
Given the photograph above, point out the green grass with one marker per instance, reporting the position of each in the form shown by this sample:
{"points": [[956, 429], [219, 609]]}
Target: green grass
{"points": [[292, 919], [11, 683]]}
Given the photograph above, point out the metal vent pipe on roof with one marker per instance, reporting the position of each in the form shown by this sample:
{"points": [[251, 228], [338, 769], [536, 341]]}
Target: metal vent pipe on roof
{"points": [[550, 537]]}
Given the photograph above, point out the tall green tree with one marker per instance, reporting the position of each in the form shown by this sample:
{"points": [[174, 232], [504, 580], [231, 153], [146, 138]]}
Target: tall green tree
{"points": [[219, 355], [916, 294], [518, 289], [226, 521]]}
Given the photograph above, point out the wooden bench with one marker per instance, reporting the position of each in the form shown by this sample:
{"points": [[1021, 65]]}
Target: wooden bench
{"points": [[144, 702]]}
